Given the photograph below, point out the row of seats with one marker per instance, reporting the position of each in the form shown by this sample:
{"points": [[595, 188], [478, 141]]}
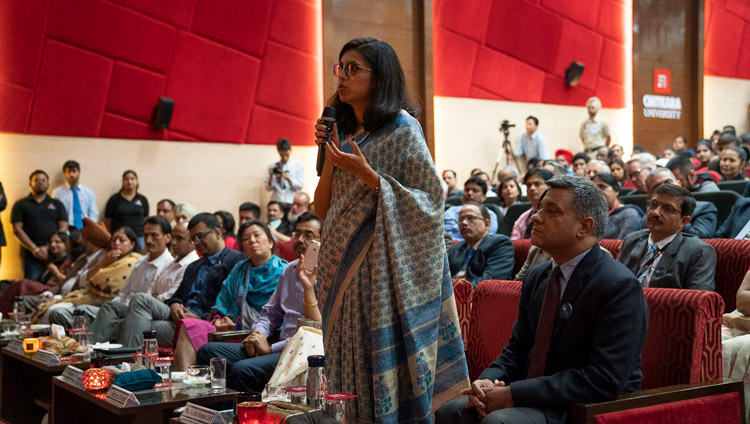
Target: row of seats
{"points": [[683, 342]]}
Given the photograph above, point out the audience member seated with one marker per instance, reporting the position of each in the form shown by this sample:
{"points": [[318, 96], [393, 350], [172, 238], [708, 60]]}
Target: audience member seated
{"points": [[596, 166], [184, 212], [564, 157], [486, 178], [580, 164], [703, 153], [557, 169], [669, 153], [737, 224], [732, 164], [251, 363], [702, 220], [300, 205], [510, 191], [617, 169], [240, 302], [280, 227], [104, 282], [226, 220], [196, 294], [475, 190], [127, 207], [538, 376], [165, 209], [623, 219], [605, 155], [157, 234], [617, 151], [536, 183], [449, 177], [249, 211], [59, 267], [79, 200], [725, 140], [35, 218], [662, 255], [481, 255], [683, 169], [638, 168], [735, 341]]}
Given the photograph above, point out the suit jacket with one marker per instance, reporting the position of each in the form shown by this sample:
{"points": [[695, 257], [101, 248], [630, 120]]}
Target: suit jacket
{"points": [[594, 355], [736, 220], [215, 278], [687, 262], [493, 259]]}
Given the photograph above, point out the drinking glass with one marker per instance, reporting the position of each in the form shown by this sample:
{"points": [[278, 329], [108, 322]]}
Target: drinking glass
{"points": [[218, 373], [84, 340], [198, 375], [250, 408]]}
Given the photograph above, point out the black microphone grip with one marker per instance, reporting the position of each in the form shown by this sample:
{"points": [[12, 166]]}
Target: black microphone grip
{"points": [[328, 119]]}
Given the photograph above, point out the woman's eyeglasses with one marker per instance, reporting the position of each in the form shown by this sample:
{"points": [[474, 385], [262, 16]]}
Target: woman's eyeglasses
{"points": [[350, 69]]}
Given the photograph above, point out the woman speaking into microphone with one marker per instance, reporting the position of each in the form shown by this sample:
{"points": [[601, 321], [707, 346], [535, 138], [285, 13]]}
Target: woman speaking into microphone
{"points": [[391, 332]]}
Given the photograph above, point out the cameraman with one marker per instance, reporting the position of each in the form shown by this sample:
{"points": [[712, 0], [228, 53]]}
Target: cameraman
{"points": [[285, 177]]}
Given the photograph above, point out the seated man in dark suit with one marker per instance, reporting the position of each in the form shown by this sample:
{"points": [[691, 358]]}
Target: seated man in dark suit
{"points": [[737, 224], [581, 323], [480, 256], [663, 255], [702, 220]]}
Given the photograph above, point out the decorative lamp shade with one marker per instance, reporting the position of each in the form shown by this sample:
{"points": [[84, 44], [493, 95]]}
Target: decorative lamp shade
{"points": [[31, 345], [97, 379]]}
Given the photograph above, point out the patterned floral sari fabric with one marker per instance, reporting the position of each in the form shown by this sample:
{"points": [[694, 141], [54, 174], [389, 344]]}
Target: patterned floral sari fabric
{"points": [[391, 331]]}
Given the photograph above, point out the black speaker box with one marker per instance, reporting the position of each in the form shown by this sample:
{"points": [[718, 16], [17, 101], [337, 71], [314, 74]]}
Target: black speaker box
{"points": [[573, 73], [163, 113]]}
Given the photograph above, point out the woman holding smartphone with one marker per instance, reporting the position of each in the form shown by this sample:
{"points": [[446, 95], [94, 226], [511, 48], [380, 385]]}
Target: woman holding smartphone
{"points": [[384, 288]]}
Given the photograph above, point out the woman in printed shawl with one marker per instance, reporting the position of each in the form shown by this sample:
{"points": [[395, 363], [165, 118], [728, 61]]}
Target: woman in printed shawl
{"points": [[390, 326]]}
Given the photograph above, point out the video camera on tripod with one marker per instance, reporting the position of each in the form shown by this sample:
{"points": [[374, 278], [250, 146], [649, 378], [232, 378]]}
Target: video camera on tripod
{"points": [[505, 127]]}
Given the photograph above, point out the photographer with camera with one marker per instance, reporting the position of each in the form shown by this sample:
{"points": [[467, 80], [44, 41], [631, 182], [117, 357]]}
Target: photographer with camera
{"points": [[285, 177]]}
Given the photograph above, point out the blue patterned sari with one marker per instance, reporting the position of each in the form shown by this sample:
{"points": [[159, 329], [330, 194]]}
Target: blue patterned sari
{"points": [[389, 317]]}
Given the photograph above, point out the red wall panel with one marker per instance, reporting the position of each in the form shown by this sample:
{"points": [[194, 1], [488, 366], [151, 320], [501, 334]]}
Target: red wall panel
{"points": [[524, 47], [727, 37], [97, 68]]}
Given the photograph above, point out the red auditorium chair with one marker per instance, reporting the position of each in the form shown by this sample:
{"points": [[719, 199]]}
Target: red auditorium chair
{"points": [[732, 263], [520, 251], [462, 290]]}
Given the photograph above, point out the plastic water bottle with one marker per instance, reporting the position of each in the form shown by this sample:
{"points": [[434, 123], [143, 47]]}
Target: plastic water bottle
{"points": [[150, 347], [317, 384], [79, 320]]}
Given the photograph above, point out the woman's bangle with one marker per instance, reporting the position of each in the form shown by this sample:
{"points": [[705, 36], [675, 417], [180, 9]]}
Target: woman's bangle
{"points": [[310, 305]]}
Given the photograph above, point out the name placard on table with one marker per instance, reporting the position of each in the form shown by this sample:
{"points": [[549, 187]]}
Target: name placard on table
{"points": [[120, 397], [16, 346], [74, 374], [46, 357], [196, 414]]}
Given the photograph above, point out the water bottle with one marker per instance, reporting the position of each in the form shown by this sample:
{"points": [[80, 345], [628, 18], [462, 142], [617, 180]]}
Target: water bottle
{"points": [[316, 380], [150, 347], [79, 320], [18, 309]]}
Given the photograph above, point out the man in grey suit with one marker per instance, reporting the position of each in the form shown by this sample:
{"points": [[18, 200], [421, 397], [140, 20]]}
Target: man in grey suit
{"points": [[663, 255]]}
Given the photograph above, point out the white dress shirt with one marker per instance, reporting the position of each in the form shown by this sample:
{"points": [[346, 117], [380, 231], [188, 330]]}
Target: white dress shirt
{"points": [[284, 191], [170, 277], [143, 276], [86, 196]]}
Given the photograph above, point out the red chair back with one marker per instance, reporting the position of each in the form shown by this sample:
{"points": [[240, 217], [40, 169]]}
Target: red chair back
{"points": [[462, 290], [732, 263], [520, 251]]}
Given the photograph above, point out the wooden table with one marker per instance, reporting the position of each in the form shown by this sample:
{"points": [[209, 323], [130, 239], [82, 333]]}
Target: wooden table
{"points": [[72, 405], [25, 386]]}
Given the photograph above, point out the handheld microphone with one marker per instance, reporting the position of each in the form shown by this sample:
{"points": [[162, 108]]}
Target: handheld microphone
{"points": [[328, 118]]}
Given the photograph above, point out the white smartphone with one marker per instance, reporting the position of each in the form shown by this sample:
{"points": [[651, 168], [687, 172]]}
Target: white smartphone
{"points": [[311, 255]]}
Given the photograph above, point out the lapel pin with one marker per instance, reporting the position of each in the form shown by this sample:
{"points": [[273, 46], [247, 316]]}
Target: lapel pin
{"points": [[566, 310]]}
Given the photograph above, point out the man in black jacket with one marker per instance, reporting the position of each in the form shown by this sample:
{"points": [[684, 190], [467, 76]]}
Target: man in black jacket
{"points": [[581, 324], [197, 292], [480, 256]]}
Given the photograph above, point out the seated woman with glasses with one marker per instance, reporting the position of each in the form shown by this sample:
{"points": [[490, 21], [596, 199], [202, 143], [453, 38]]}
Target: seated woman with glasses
{"points": [[239, 303]]}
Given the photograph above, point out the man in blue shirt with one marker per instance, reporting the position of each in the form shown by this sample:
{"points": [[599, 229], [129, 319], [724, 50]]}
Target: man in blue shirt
{"points": [[531, 143], [252, 363], [197, 292], [79, 200], [475, 190]]}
